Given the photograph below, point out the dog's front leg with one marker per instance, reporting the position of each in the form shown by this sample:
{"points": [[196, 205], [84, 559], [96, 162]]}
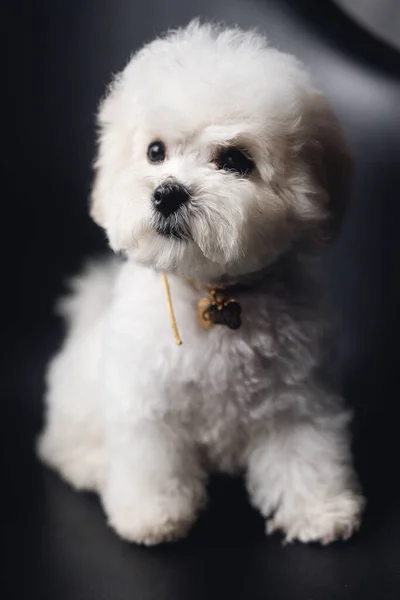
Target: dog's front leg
{"points": [[300, 476], [155, 485]]}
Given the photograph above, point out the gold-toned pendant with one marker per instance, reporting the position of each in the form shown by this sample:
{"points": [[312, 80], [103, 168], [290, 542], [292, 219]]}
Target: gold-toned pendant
{"points": [[218, 310]]}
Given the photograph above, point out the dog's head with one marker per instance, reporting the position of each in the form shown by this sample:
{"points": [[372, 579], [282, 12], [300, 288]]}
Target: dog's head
{"points": [[216, 154]]}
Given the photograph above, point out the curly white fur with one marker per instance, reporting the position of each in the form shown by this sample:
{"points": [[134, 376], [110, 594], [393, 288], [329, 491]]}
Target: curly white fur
{"points": [[143, 421]]}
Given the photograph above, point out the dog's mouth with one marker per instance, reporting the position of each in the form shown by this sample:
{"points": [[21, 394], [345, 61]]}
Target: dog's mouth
{"points": [[174, 226]]}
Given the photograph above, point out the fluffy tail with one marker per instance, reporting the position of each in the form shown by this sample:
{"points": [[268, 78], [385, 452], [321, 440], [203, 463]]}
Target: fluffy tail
{"points": [[90, 294]]}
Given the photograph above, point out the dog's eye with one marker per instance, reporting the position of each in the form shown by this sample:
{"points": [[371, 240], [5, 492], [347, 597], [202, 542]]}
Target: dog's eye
{"points": [[156, 152], [234, 159]]}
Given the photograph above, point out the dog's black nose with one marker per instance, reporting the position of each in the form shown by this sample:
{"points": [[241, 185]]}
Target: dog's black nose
{"points": [[168, 197]]}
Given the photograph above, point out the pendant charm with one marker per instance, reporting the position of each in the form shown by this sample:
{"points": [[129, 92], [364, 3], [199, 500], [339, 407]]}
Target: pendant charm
{"points": [[217, 310]]}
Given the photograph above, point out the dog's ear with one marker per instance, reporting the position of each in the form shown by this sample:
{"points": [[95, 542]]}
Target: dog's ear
{"points": [[100, 185], [331, 162], [109, 147]]}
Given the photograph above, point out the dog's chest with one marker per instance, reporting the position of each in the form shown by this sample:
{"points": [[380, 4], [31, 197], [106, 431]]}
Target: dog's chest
{"points": [[219, 379]]}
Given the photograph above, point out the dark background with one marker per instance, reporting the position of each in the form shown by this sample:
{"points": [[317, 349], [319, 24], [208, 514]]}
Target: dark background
{"points": [[58, 58]]}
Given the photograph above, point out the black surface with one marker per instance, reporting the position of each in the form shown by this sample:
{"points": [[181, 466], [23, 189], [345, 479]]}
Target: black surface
{"points": [[56, 544]]}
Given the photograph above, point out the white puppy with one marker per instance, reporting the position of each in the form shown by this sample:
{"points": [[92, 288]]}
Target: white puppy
{"points": [[220, 164]]}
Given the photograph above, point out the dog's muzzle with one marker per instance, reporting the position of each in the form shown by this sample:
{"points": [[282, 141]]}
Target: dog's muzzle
{"points": [[171, 215]]}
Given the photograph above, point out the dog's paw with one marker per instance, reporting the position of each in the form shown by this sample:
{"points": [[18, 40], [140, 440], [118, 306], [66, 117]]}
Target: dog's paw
{"points": [[152, 518], [150, 533], [336, 519]]}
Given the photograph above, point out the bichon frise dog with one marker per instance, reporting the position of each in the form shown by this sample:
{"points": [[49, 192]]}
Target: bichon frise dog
{"points": [[221, 167]]}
